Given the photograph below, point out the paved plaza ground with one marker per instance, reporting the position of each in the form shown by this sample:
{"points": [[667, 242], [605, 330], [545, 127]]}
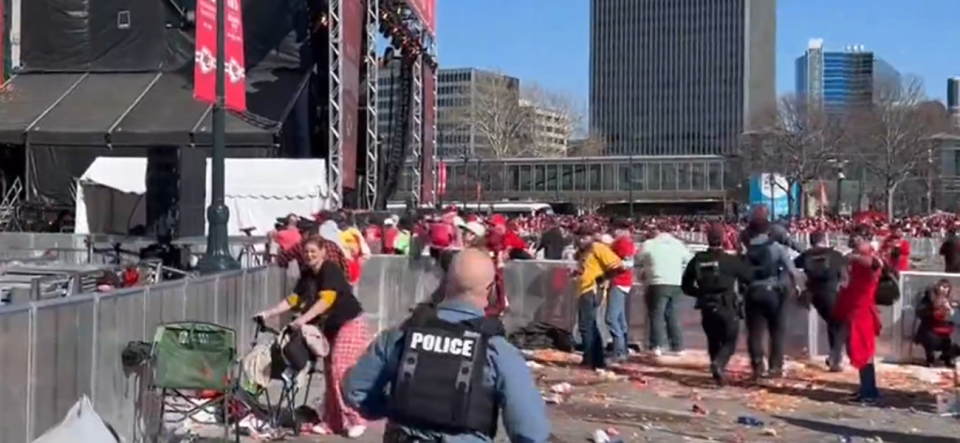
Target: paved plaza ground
{"points": [[673, 400]]}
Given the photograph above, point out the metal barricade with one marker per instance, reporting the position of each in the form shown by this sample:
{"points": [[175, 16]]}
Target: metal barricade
{"points": [[904, 323], [56, 351], [68, 248], [541, 291]]}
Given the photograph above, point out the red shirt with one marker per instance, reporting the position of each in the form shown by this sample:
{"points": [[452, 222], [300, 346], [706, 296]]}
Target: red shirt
{"points": [[512, 240], [441, 235], [287, 238], [942, 325], [902, 263], [626, 249], [390, 234], [496, 241]]}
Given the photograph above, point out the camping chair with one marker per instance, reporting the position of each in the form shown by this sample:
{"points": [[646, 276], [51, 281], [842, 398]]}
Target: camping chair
{"points": [[190, 358], [287, 358]]}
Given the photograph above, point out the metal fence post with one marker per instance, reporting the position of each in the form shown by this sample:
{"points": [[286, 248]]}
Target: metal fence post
{"points": [[813, 334], [216, 300], [96, 348]]}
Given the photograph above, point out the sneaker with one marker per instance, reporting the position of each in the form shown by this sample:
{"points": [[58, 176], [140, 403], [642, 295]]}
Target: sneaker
{"points": [[867, 401], [717, 375], [319, 429], [356, 431], [656, 352]]}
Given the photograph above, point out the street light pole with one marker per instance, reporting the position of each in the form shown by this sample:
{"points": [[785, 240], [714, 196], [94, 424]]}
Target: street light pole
{"points": [[630, 185], [217, 257]]}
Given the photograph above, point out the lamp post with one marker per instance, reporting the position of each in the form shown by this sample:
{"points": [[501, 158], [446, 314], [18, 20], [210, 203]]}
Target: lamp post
{"points": [[630, 185], [840, 166], [479, 181], [217, 257]]}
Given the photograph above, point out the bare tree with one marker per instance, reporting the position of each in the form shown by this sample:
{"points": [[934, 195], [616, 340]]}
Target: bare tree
{"points": [[506, 121], [795, 139], [491, 112], [554, 118], [592, 146], [894, 139]]}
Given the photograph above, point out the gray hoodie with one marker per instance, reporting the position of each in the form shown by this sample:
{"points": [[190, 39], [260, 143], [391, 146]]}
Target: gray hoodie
{"points": [[781, 256]]}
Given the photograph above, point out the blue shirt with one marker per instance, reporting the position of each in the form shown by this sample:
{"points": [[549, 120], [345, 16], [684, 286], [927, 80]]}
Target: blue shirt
{"points": [[366, 386]]}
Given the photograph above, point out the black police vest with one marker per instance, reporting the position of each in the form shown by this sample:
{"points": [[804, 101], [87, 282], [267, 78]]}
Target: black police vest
{"points": [[440, 378], [708, 276]]}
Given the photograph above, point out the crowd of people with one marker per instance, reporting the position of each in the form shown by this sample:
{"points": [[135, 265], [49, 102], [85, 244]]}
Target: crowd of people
{"points": [[749, 272]]}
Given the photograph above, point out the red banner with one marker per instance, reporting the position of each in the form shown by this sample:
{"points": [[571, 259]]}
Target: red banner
{"points": [[428, 146], [205, 57], [441, 178], [352, 27], [427, 11]]}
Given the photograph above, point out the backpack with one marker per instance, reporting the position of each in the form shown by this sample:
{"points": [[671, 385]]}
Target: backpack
{"points": [[818, 267], [888, 289], [761, 261]]}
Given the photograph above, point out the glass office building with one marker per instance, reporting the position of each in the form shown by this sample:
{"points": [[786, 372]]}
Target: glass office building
{"points": [[679, 77], [840, 79]]}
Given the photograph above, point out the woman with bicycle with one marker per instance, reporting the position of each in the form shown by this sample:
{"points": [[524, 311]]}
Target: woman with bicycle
{"points": [[328, 309]]}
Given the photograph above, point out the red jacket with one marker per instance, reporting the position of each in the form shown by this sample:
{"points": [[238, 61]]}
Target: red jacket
{"points": [[856, 305], [626, 249]]}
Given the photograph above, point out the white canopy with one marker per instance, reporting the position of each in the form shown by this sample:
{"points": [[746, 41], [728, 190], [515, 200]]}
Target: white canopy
{"points": [[110, 194]]}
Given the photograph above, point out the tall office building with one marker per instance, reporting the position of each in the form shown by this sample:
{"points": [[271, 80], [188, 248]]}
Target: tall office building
{"points": [[838, 80], [679, 77], [459, 93], [953, 100]]}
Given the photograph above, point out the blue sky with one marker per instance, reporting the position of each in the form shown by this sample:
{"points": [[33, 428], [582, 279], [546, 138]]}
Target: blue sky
{"points": [[548, 41]]}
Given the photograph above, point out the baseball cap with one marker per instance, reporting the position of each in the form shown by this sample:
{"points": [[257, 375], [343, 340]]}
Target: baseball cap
{"points": [[474, 228]]}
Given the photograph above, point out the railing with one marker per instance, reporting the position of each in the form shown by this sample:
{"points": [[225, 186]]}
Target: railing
{"points": [[56, 351], [101, 249], [926, 250]]}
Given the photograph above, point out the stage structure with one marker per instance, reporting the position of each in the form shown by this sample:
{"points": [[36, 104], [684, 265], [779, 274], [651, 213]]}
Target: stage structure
{"points": [[408, 147], [338, 40]]}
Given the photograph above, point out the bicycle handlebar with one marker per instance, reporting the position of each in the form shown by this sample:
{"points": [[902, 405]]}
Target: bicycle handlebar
{"points": [[262, 326]]}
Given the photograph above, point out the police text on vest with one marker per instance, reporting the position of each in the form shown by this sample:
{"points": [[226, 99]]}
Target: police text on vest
{"points": [[441, 345]]}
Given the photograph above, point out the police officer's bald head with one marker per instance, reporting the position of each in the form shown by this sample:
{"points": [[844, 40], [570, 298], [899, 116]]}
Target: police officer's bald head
{"points": [[471, 276]]}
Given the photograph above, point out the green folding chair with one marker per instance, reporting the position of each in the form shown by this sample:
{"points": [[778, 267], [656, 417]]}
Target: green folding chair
{"points": [[191, 358]]}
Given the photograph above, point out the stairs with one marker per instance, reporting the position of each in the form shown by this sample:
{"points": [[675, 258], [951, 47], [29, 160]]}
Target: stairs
{"points": [[10, 207]]}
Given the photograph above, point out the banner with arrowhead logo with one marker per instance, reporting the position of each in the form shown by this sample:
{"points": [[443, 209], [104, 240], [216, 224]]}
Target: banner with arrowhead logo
{"points": [[205, 57]]}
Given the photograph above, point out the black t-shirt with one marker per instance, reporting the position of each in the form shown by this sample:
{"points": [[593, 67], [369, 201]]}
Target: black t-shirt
{"points": [[552, 243], [330, 283], [950, 250], [822, 266]]}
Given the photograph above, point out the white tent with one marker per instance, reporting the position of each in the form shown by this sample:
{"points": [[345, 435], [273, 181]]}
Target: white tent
{"points": [[110, 195]]}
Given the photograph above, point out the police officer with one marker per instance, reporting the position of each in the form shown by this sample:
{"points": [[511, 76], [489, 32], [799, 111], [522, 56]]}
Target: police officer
{"points": [[823, 267], [765, 298], [711, 277], [449, 371]]}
